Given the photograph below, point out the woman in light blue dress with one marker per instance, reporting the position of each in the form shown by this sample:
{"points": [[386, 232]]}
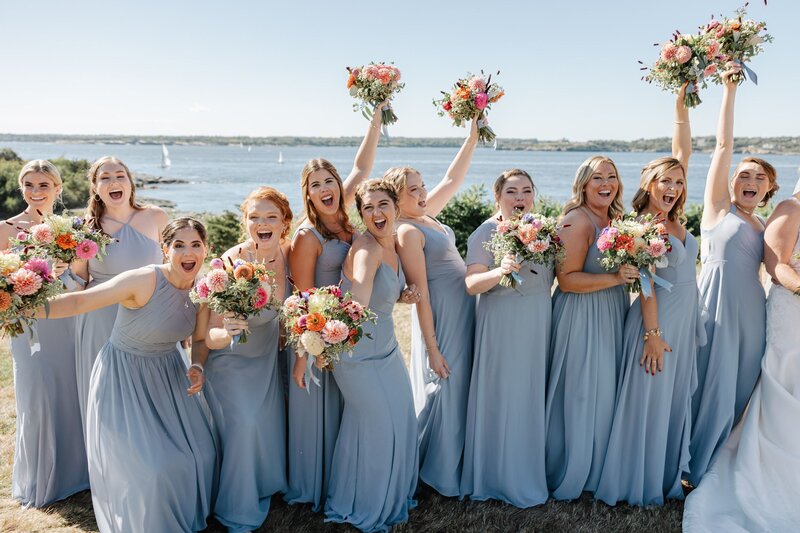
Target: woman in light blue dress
{"points": [[730, 290], [246, 377], [375, 461], [114, 210], [149, 439], [504, 447], [49, 452], [443, 319], [589, 309], [317, 252]]}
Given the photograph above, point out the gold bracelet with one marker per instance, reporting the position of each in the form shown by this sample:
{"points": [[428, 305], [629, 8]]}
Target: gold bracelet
{"points": [[681, 122], [655, 332]]}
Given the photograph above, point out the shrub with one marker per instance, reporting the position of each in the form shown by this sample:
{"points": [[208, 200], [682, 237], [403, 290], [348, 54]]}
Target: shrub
{"points": [[548, 207], [224, 232], [465, 212]]}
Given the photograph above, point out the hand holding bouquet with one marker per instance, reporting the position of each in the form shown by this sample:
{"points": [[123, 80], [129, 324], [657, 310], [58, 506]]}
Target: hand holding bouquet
{"points": [[639, 241], [374, 84], [530, 237], [686, 59], [63, 239], [471, 98], [323, 322], [241, 287], [739, 41], [26, 283]]}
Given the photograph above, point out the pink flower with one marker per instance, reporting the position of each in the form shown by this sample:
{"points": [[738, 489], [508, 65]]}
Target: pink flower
{"points": [[217, 264], [43, 234], [216, 280], [26, 282], [477, 84], [539, 246], [354, 310], [22, 236], [335, 331], [292, 304], [536, 224], [713, 49], [302, 321], [355, 72], [526, 233], [261, 299], [40, 266], [683, 54], [86, 249], [202, 289], [606, 240], [710, 69], [711, 25], [668, 51], [503, 227], [656, 248], [481, 100]]}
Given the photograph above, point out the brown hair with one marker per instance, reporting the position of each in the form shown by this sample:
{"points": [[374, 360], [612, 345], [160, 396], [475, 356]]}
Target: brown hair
{"points": [[273, 195], [582, 177], [503, 178], [311, 213], [772, 175], [375, 185], [96, 208], [178, 224], [397, 177], [651, 172]]}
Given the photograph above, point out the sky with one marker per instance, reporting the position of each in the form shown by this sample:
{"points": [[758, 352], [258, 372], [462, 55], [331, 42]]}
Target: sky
{"points": [[263, 68]]}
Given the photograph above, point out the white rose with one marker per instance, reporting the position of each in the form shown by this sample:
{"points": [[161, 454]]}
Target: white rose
{"points": [[317, 302], [312, 342]]}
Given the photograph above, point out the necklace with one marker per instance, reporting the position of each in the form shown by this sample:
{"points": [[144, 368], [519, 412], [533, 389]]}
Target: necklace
{"points": [[743, 210]]}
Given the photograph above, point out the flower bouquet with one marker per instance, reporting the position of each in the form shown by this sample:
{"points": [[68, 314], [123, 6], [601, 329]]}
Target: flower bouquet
{"points": [[240, 287], [374, 84], [639, 241], [63, 239], [687, 58], [470, 97], [739, 41], [531, 237], [324, 322], [26, 282]]}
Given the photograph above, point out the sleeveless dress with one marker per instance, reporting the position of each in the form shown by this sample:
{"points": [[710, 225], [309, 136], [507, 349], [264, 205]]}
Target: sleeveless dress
{"points": [[649, 445], [504, 449], [249, 391], [151, 447], [753, 484], [441, 404], [375, 462], [49, 452], [92, 329], [315, 413], [729, 364], [585, 352]]}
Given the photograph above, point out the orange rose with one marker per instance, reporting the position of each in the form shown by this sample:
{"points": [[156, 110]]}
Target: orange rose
{"points": [[315, 322], [5, 301], [496, 97], [297, 329], [66, 242], [244, 271], [736, 25], [351, 80], [463, 93]]}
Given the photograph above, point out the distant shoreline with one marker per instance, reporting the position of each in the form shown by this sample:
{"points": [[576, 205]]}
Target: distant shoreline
{"points": [[753, 145]]}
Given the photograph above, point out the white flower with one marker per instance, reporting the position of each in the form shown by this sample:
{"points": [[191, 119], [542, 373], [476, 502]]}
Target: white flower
{"points": [[318, 301], [59, 224], [312, 342], [9, 262]]}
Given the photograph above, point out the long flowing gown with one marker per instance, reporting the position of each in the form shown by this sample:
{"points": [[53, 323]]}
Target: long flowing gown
{"points": [[753, 484], [649, 445], [504, 450], [315, 413], [49, 452], [729, 364], [93, 329], [585, 352], [151, 447], [375, 462], [249, 390], [441, 404]]}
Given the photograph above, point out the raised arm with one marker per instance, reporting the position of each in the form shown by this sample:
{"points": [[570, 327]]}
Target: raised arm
{"points": [[365, 157], [779, 240], [454, 177], [717, 198], [682, 131]]}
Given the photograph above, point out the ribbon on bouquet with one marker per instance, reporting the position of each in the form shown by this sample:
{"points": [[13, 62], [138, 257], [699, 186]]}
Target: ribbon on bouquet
{"points": [[33, 336], [309, 375], [750, 74], [645, 276]]}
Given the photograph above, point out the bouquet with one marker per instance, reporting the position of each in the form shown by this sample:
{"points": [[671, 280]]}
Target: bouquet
{"points": [[374, 84], [241, 287], [26, 282], [530, 237], [324, 322], [470, 97], [739, 41], [688, 59], [63, 239], [642, 242]]}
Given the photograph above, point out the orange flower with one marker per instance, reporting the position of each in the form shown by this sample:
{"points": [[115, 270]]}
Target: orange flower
{"points": [[463, 93], [5, 301], [351, 80], [244, 271], [297, 329], [736, 25], [496, 97], [315, 322], [66, 242]]}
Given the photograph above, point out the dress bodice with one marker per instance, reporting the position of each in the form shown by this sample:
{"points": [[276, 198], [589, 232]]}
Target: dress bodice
{"points": [[328, 268], [734, 240], [131, 250]]}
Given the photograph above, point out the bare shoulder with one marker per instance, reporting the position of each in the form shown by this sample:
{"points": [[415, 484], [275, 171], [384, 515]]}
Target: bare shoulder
{"points": [[576, 224], [408, 232], [157, 214], [366, 242], [305, 238]]}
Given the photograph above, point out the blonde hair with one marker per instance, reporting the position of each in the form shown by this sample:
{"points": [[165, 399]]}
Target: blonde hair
{"points": [[273, 195], [651, 172], [397, 176], [311, 213], [375, 185], [501, 181], [772, 175], [41, 166], [582, 177], [96, 208]]}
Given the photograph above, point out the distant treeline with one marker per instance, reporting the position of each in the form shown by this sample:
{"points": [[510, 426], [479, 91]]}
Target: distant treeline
{"points": [[755, 145]]}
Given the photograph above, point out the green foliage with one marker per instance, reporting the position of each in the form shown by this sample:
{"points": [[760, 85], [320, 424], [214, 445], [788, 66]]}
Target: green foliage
{"points": [[548, 207], [7, 154], [465, 212], [694, 212], [224, 232]]}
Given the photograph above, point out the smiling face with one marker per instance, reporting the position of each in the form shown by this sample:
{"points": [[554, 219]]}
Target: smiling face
{"points": [[413, 197], [324, 192], [516, 196], [264, 223], [186, 252], [750, 185], [39, 191], [667, 190], [378, 211], [601, 189], [113, 185]]}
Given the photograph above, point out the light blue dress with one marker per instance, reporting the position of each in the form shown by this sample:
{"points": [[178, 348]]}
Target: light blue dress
{"points": [[249, 390], [585, 352], [728, 366], [49, 453], [375, 462], [443, 417], [504, 450], [151, 447], [92, 330], [315, 413], [649, 445]]}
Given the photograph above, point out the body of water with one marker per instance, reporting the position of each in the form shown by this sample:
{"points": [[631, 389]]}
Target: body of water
{"points": [[221, 176]]}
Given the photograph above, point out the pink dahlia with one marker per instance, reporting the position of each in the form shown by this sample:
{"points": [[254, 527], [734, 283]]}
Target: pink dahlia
{"points": [[539, 246], [40, 266], [354, 310], [261, 298], [477, 84], [683, 54], [606, 240], [668, 51], [335, 331], [656, 248], [26, 282], [43, 234], [526, 233], [481, 100], [86, 249], [216, 280], [202, 289]]}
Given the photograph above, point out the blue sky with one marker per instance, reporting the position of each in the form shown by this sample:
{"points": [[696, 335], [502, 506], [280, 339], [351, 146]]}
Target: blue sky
{"points": [[266, 68]]}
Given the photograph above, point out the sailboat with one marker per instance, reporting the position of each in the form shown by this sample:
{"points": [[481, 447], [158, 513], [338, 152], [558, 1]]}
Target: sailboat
{"points": [[280, 158], [249, 147], [165, 162]]}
